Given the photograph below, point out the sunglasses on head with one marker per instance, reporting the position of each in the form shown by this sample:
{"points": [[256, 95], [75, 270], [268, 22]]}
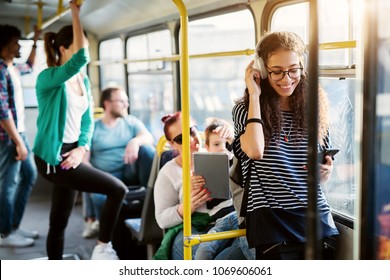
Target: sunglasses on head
{"points": [[179, 138]]}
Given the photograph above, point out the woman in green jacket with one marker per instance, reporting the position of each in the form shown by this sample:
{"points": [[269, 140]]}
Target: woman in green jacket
{"points": [[65, 126]]}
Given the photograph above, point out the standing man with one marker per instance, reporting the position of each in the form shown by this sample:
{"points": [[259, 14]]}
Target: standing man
{"points": [[122, 146], [17, 169]]}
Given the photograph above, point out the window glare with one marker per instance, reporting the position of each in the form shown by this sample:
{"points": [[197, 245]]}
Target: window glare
{"points": [[112, 74], [286, 19], [236, 29], [216, 82], [151, 82], [151, 45]]}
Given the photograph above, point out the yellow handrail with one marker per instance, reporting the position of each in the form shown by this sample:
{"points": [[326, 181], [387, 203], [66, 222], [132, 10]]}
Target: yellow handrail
{"points": [[198, 238], [61, 11], [337, 45], [161, 145], [42, 25], [185, 105], [175, 57]]}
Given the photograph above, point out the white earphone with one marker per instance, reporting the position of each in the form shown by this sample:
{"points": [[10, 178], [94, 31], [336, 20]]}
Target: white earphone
{"points": [[259, 65]]}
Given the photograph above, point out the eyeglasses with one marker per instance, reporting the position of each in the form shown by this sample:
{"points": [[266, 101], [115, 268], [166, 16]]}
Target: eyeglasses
{"points": [[278, 75], [179, 138], [123, 101]]}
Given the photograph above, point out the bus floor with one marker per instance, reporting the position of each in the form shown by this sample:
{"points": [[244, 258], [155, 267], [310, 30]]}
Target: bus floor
{"points": [[36, 217]]}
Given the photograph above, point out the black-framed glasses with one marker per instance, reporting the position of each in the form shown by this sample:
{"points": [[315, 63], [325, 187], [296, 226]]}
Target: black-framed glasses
{"points": [[278, 75], [179, 138], [123, 101]]}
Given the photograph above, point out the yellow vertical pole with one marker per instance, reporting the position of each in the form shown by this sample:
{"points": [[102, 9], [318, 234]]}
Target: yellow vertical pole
{"points": [[185, 105], [27, 21], [60, 7], [40, 14]]}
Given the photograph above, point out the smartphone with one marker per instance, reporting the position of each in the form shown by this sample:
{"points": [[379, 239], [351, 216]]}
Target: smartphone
{"points": [[322, 154]]}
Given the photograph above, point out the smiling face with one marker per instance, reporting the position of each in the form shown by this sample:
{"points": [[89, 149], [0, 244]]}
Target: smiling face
{"points": [[283, 60]]}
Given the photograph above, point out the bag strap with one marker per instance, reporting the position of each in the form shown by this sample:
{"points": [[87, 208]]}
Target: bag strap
{"points": [[244, 202]]}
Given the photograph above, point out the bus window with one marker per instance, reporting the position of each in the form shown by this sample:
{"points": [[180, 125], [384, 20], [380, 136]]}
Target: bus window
{"points": [[112, 74], [215, 82], [28, 81], [286, 19], [150, 83], [335, 25], [340, 190]]}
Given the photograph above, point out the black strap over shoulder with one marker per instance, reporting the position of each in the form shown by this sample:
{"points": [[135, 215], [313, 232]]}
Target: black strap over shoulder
{"points": [[244, 203]]}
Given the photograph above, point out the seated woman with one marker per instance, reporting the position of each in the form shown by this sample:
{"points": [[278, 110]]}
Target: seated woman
{"points": [[168, 194]]}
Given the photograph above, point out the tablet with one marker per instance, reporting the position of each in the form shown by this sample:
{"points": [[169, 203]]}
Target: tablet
{"points": [[214, 167]]}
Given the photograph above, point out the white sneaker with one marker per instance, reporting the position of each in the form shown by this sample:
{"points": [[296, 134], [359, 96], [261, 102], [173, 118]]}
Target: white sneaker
{"points": [[104, 252], [96, 225], [26, 233], [90, 230], [15, 240]]}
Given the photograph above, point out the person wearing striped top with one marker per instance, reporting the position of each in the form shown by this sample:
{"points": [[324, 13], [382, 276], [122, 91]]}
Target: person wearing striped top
{"points": [[271, 142]]}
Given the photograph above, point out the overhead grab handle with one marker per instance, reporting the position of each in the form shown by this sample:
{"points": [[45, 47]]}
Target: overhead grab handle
{"points": [[61, 11]]}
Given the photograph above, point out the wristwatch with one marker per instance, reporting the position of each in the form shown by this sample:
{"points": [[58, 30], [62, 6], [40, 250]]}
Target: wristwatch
{"points": [[87, 148]]}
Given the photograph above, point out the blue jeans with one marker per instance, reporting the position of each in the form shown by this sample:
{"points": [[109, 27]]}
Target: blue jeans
{"points": [[239, 250], [138, 172], [93, 204], [16, 181], [132, 174], [177, 246], [209, 250]]}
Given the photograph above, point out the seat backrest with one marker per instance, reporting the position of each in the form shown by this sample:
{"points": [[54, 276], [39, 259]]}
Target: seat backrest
{"points": [[149, 227], [167, 156], [150, 231]]}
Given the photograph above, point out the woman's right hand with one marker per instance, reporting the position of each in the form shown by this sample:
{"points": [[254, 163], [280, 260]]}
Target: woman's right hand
{"points": [[74, 6], [199, 195], [252, 80]]}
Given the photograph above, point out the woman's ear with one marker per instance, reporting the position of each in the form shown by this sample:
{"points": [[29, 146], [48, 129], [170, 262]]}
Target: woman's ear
{"points": [[62, 50]]}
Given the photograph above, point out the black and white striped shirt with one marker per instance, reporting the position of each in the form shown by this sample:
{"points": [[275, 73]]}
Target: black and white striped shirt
{"points": [[278, 182]]}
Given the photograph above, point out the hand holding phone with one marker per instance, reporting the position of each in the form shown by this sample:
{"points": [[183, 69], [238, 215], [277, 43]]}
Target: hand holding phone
{"points": [[322, 154]]}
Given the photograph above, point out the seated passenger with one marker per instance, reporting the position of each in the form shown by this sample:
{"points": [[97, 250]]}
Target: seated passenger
{"points": [[219, 136], [168, 199], [122, 146]]}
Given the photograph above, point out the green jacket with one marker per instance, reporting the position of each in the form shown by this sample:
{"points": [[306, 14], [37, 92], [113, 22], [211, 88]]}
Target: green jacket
{"points": [[52, 108], [198, 221]]}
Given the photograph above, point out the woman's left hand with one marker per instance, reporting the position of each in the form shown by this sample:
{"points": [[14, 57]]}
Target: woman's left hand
{"points": [[326, 169], [73, 158]]}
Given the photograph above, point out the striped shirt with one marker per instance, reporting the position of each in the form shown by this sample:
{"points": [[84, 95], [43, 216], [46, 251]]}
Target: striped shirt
{"points": [[278, 182]]}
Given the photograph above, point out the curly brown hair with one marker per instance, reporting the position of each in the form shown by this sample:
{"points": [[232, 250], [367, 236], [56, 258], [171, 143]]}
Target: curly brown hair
{"points": [[269, 98]]}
